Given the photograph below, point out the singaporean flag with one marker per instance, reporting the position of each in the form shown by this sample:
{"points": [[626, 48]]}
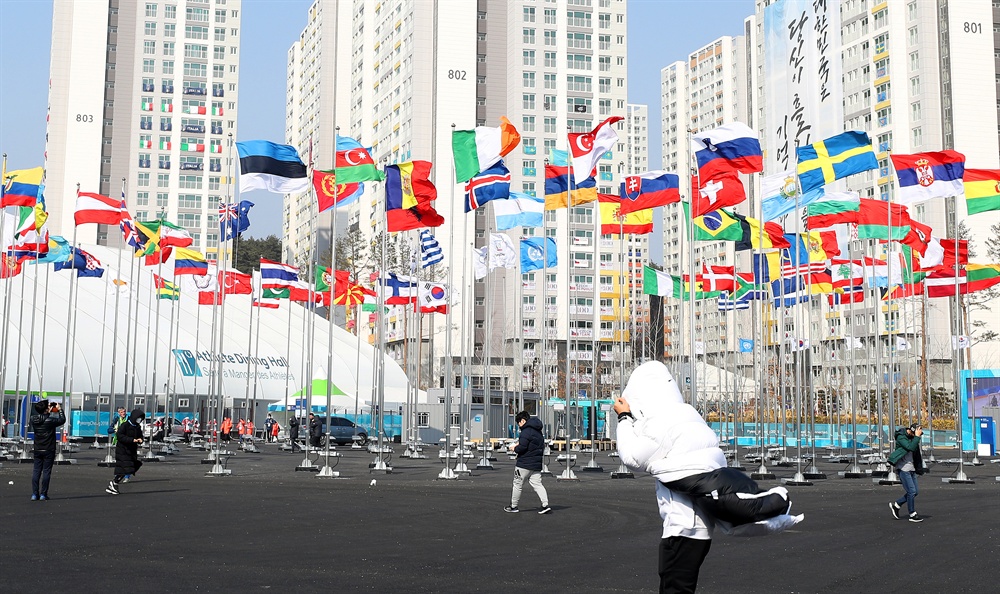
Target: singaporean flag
{"points": [[587, 148]]}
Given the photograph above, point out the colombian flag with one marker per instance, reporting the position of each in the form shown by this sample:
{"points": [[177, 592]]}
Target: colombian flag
{"points": [[188, 261]]}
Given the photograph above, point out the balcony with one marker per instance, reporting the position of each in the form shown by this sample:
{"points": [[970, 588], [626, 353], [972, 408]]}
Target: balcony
{"points": [[164, 164], [216, 130], [529, 332], [148, 87], [145, 125], [530, 150], [574, 286], [528, 285], [215, 167], [192, 166], [195, 91], [145, 163], [581, 333], [218, 93], [581, 309], [196, 128], [581, 355], [529, 308], [167, 88], [607, 310]]}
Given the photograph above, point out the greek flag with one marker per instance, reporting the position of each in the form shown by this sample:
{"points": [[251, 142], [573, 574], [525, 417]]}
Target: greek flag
{"points": [[728, 304], [430, 250]]}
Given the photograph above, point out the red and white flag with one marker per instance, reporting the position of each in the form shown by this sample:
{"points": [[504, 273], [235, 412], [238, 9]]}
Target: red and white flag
{"points": [[587, 148], [723, 188], [235, 283], [718, 278], [94, 208]]}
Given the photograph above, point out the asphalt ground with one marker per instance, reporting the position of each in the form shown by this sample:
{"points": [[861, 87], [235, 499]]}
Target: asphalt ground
{"points": [[268, 527]]}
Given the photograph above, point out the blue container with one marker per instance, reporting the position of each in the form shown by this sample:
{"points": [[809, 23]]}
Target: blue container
{"points": [[988, 433]]}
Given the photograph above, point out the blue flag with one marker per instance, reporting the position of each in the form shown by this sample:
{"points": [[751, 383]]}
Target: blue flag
{"points": [[537, 253], [492, 184], [746, 345], [234, 219], [84, 264]]}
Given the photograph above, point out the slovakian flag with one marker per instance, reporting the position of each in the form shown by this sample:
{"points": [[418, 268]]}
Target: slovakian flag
{"points": [[723, 188], [928, 175], [94, 208], [492, 184], [648, 190], [732, 146], [587, 148], [329, 193], [408, 196]]}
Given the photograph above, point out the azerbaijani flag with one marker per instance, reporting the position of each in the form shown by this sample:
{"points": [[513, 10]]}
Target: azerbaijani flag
{"points": [[477, 150], [355, 165], [982, 190]]}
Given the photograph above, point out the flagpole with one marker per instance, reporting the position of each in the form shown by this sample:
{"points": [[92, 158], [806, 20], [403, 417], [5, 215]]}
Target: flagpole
{"points": [[109, 459], [100, 371], [691, 282], [256, 349], [568, 474], [217, 468], [543, 384], [31, 335], [595, 348], [960, 476], [891, 477], [156, 343], [380, 465], [853, 471], [468, 289], [70, 321], [327, 470], [926, 390], [168, 387]]}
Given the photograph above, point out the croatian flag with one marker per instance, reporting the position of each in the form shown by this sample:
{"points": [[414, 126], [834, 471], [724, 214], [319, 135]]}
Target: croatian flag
{"points": [[648, 190], [730, 146], [929, 175]]}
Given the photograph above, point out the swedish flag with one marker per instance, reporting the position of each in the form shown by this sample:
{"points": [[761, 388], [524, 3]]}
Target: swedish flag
{"points": [[834, 158]]}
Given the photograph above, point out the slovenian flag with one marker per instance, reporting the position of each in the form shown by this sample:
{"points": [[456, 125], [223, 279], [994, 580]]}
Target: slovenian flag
{"points": [[273, 167], [730, 146], [648, 190], [928, 175], [477, 150]]}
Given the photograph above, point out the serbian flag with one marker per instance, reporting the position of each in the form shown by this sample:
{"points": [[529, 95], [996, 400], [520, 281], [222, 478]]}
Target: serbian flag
{"points": [[721, 189], [732, 146], [648, 190], [94, 208], [587, 148], [929, 175]]}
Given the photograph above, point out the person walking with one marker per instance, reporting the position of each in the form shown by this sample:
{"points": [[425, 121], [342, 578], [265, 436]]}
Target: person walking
{"points": [[115, 422], [529, 449], [293, 433], [127, 460], [908, 463], [269, 424], [44, 421], [227, 428], [274, 431]]}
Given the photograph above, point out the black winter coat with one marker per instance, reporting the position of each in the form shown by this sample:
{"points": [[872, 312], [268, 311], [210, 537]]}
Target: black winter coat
{"points": [[44, 425], [314, 428], [293, 428], [530, 446], [126, 449]]}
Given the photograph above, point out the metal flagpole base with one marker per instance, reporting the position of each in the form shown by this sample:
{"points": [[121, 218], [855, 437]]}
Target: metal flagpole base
{"points": [[799, 480], [484, 463], [567, 475], [461, 468], [108, 460], [813, 473], [545, 470], [891, 478], [96, 445], [62, 460], [447, 474], [735, 465], [960, 478], [357, 446], [151, 457], [622, 472], [306, 466], [853, 472], [327, 472], [976, 461], [592, 466], [762, 474], [218, 470], [381, 467]]}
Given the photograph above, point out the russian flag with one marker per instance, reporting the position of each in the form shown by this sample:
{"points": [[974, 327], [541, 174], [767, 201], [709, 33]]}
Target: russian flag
{"points": [[730, 146], [929, 175], [648, 190]]}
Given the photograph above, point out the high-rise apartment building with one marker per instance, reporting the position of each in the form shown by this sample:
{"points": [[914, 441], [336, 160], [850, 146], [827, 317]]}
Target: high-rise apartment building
{"points": [[146, 92]]}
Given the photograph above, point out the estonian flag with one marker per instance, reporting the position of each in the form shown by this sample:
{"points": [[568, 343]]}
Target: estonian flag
{"points": [[273, 167]]}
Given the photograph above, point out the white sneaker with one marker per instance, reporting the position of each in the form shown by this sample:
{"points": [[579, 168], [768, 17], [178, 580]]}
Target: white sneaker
{"points": [[112, 488]]}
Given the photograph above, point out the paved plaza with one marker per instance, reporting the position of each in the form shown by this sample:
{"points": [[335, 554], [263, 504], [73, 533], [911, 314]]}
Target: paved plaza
{"points": [[269, 528]]}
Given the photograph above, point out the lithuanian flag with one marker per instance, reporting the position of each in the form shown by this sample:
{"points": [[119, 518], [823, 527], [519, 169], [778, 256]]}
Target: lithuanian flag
{"points": [[982, 190]]}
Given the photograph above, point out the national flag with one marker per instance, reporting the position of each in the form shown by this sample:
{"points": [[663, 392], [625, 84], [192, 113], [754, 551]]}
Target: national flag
{"points": [[432, 297], [945, 253], [94, 208], [145, 143], [10, 266], [408, 196], [397, 289], [84, 263], [170, 235], [498, 253], [270, 166], [849, 294], [959, 342], [835, 158], [882, 220], [557, 189], [833, 209], [234, 219], [659, 283], [31, 244], [718, 278], [726, 303], [276, 293], [971, 278], [188, 261], [130, 234], [149, 237], [165, 145], [164, 107], [520, 210], [492, 184], [477, 150], [716, 225], [166, 289], [58, 251], [807, 249], [329, 191], [648, 190], [538, 253], [22, 187], [846, 273], [196, 110], [788, 292], [918, 238], [747, 289], [430, 250], [982, 190], [355, 165], [193, 147], [146, 106], [210, 297], [928, 175], [348, 293], [215, 148], [639, 222], [305, 293], [587, 148], [234, 282], [265, 302], [883, 273], [722, 189], [781, 195], [277, 276], [767, 236], [732, 146], [218, 110], [745, 345]]}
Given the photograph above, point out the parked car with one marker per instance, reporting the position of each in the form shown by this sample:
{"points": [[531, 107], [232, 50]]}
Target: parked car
{"points": [[342, 430]]}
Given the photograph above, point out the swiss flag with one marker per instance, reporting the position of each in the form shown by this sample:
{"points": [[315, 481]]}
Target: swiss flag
{"points": [[235, 283], [723, 188], [587, 148]]}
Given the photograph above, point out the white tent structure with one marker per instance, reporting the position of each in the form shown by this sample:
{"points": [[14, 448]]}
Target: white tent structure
{"points": [[715, 383], [189, 358]]}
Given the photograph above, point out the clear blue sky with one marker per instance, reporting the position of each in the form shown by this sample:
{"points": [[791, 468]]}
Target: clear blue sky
{"points": [[660, 32]]}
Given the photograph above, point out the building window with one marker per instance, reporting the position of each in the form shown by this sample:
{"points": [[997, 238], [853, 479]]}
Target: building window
{"points": [[550, 38], [162, 199], [148, 66], [151, 10], [550, 81], [195, 32], [192, 50], [169, 30], [550, 59], [143, 180], [529, 57], [528, 124], [142, 198], [912, 35], [915, 111], [220, 33], [220, 16], [170, 12], [528, 36], [529, 14], [550, 16], [168, 67], [550, 126], [189, 201], [162, 180], [914, 86], [189, 219], [528, 80], [219, 52], [914, 61], [198, 15], [149, 47], [918, 136], [528, 101], [149, 29], [190, 182]]}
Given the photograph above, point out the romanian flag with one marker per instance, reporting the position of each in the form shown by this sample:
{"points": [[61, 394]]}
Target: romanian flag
{"points": [[188, 261], [982, 190], [166, 289], [22, 187], [557, 188], [613, 223]]}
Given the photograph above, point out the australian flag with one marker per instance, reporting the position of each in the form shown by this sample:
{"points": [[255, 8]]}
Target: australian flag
{"points": [[234, 219]]}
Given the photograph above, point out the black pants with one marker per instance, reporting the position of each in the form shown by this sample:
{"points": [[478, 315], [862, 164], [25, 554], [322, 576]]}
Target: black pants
{"points": [[680, 562], [43, 470]]}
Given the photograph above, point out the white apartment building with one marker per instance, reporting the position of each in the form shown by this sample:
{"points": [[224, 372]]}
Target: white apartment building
{"points": [[146, 92]]}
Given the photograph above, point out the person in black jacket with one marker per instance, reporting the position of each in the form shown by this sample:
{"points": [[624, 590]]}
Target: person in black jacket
{"points": [[293, 433], [44, 421], [315, 432], [528, 467], [127, 461]]}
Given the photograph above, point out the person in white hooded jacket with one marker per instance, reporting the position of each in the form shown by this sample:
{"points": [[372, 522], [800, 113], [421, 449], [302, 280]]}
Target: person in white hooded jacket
{"points": [[695, 490]]}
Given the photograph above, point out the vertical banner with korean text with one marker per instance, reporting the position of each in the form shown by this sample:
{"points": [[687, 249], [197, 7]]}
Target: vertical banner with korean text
{"points": [[802, 70]]}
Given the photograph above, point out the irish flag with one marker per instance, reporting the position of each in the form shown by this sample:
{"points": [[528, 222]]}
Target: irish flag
{"points": [[982, 190], [477, 150]]}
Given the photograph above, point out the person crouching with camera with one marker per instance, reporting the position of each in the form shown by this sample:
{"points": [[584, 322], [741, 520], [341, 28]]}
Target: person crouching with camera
{"points": [[908, 463]]}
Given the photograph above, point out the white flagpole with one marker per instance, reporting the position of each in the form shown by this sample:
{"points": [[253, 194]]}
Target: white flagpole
{"points": [[327, 470], [543, 380], [449, 372], [568, 474], [100, 369], [70, 331], [109, 459], [217, 469]]}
